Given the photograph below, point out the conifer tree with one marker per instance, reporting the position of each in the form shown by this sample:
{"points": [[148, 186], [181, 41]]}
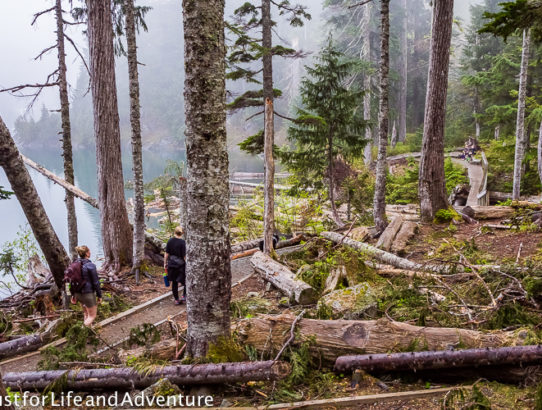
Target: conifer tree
{"points": [[328, 127]]}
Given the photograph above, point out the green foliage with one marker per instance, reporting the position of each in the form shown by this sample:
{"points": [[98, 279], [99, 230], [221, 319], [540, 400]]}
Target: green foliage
{"points": [[538, 397], [225, 350], [78, 337], [143, 335], [4, 194], [360, 189], [513, 16], [446, 215], [338, 133], [249, 306]]}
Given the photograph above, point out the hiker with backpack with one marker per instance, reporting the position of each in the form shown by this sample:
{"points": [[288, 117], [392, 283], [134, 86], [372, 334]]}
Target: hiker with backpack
{"points": [[84, 284], [174, 264]]}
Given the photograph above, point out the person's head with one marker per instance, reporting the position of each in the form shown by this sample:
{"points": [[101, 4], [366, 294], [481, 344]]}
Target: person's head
{"points": [[178, 231], [83, 251]]}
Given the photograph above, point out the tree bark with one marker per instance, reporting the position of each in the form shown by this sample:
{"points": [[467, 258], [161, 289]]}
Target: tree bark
{"points": [[520, 121], [404, 76], [331, 186], [208, 239], [269, 132], [183, 218], [116, 230], [432, 183], [383, 256], [283, 279], [137, 152], [269, 189], [539, 152], [446, 359], [3, 393], [379, 203], [386, 239], [26, 193], [67, 152], [128, 378], [334, 338], [23, 344], [366, 55], [405, 234]]}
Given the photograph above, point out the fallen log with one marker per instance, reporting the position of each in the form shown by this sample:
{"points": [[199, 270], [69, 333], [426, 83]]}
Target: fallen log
{"points": [[255, 244], [496, 226], [22, 345], [386, 238], [128, 378], [387, 257], [490, 212], [405, 234], [446, 359], [333, 338], [283, 279], [244, 254]]}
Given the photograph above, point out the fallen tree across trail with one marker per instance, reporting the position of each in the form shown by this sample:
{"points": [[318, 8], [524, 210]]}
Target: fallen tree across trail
{"points": [[387, 257], [283, 279], [255, 244], [333, 338], [446, 359], [128, 378], [23, 344]]}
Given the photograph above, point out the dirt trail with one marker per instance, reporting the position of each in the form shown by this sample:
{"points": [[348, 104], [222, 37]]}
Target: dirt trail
{"points": [[117, 331]]}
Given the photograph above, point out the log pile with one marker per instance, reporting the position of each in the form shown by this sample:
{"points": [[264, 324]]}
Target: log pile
{"points": [[283, 279], [334, 338], [128, 378], [386, 238]]}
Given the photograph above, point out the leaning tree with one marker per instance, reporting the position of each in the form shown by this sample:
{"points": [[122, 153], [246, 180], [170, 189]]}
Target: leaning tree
{"points": [[432, 183], [208, 240]]}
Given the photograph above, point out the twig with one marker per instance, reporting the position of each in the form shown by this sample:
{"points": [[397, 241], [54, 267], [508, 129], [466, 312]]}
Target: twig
{"points": [[31, 319], [519, 252], [41, 13], [362, 3], [292, 334], [79, 53], [87, 364]]}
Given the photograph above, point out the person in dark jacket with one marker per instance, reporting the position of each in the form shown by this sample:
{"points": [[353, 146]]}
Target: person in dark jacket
{"points": [[91, 288], [175, 263]]}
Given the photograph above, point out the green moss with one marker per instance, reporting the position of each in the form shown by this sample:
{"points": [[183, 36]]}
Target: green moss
{"points": [[249, 306], [225, 350], [510, 315], [446, 216], [143, 335]]}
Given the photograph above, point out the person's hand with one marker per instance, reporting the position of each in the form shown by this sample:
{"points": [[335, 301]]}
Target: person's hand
{"points": [[99, 300], [73, 300]]}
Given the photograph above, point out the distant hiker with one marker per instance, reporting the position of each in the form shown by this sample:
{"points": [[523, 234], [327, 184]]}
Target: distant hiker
{"points": [[175, 264], [85, 288], [275, 242]]}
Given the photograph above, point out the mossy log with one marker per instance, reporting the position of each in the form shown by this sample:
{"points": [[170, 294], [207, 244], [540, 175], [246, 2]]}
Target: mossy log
{"points": [[446, 359], [334, 338], [488, 212], [162, 350], [283, 279], [387, 257], [128, 378], [386, 238], [405, 234], [255, 243]]}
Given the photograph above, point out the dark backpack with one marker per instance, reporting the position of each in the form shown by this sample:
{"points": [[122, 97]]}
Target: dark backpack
{"points": [[174, 262], [74, 276]]}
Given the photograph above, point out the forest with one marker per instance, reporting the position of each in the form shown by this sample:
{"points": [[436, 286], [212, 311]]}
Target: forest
{"points": [[272, 204]]}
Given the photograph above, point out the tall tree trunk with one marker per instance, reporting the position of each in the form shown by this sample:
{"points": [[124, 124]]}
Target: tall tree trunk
{"points": [[67, 153], [183, 219], [269, 187], [269, 137], [208, 238], [540, 152], [379, 203], [137, 154], [26, 193], [520, 121], [331, 188], [366, 56], [404, 76], [497, 132], [116, 229], [432, 183]]}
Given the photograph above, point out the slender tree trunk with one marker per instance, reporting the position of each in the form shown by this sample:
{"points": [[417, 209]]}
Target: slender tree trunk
{"points": [[116, 229], [208, 238], [67, 153], [394, 137], [269, 137], [26, 193], [379, 203], [183, 219], [404, 76], [269, 189], [476, 112], [137, 152], [497, 132], [520, 121], [540, 152], [331, 170], [432, 183], [366, 56]]}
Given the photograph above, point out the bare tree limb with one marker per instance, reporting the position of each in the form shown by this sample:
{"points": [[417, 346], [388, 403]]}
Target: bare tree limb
{"points": [[292, 334], [361, 3], [41, 13], [38, 57], [255, 115], [78, 52]]}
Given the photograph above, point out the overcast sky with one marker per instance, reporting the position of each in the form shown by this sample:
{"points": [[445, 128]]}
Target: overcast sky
{"points": [[20, 43]]}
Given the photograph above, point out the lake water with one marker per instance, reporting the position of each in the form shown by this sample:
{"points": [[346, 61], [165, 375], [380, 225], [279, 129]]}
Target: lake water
{"points": [[52, 196]]}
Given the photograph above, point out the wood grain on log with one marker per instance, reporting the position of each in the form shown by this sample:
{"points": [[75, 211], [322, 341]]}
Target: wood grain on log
{"points": [[445, 359], [129, 378], [334, 338], [405, 234], [386, 239], [283, 279]]}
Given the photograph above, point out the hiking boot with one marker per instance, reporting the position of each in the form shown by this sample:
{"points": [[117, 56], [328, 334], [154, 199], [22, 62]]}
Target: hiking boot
{"points": [[177, 302], [183, 299]]}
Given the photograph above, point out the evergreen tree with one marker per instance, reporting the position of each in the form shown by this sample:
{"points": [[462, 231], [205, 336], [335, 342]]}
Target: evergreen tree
{"points": [[328, 127], [514, 16]]}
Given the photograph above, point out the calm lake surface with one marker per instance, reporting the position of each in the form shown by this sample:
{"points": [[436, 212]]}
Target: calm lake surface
{"points": [[12, 218]]}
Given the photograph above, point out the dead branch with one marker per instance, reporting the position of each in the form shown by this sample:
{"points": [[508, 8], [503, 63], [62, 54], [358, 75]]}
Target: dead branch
{"points": [[362, 3], [292, 335], [41, 13], [79, 53]]}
